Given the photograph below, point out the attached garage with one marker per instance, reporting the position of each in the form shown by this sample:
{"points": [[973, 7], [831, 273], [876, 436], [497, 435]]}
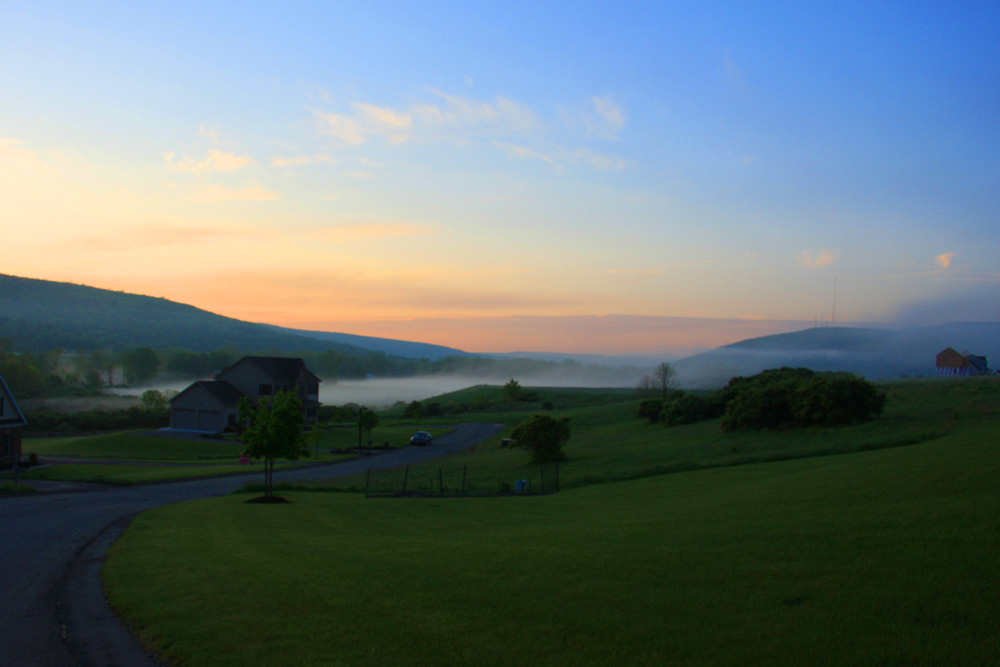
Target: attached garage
{"points": [[206, 406]]}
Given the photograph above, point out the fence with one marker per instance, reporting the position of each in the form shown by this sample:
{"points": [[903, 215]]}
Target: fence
{"points": [[460, 480]]}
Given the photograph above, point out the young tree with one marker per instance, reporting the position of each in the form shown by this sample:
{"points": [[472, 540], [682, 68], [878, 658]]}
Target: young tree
{"points": [[367, 420], [276, 431], [543, 436], [663, 379], [512, 391]]}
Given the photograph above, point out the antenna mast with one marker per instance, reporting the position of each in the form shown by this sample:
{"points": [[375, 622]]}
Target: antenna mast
{"points": [[834, 319]]}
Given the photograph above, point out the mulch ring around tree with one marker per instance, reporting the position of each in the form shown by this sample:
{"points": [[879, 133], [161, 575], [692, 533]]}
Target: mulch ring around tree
{"points": [[269, 499]]}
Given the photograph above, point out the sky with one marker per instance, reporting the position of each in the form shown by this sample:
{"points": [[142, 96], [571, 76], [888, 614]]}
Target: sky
{"points": [[561, 176]]}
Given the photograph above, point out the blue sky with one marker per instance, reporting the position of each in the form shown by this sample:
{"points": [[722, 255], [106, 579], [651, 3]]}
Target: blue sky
{"points": [[450, 169]]}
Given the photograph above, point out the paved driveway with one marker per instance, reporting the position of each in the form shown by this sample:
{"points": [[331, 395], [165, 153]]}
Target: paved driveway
{"points": [[52, 545]]}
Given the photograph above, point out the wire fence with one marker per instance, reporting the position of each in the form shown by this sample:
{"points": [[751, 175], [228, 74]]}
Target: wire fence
{"points": [[459, 481]]}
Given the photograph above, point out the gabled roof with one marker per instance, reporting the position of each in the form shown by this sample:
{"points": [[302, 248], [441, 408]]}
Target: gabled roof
{"points": [[978, 363], [283, 370], [221, 390], [18, 417]]}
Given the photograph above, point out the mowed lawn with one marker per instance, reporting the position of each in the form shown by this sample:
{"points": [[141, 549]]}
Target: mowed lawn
{"points": [[884, 557]]}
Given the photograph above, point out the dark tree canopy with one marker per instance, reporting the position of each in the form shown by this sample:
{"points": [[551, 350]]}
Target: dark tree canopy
{"points": [[543, 436]]}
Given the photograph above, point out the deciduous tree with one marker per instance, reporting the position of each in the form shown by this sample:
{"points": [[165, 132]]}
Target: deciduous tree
{"points": [[276, 430], [543, 436]]}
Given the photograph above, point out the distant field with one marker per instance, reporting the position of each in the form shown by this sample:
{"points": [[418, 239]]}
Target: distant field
{"points": [[608, 443], [881, 557]]}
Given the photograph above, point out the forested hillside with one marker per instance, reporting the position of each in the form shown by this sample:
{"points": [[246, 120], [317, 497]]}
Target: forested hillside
{"points": [[39, 315]]}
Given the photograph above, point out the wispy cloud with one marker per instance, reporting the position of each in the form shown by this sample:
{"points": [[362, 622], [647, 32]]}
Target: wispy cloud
{"points": [[367, 121], [217, 161], [217, 193], [944, 260], [446, 117], [608, 119], [818, 260], [560, 157]]}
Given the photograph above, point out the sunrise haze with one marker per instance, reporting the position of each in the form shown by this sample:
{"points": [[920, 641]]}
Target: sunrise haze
{"points": [[577, 177]]}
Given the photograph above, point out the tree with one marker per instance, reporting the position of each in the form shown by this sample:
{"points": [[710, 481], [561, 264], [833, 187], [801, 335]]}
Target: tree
{"points": [[367, 420], [543, 436], [275, 431], [663, 379], [140, 365], [512, 391]]}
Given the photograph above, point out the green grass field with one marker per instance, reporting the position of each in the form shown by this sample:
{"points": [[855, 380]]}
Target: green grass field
{"points": [[198, 453], [880, 557]]}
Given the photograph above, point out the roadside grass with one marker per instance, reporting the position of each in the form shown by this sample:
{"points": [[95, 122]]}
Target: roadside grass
{"points": [[874, 558], [609, 443], [125, 475], [133, 446], [10, 488]]}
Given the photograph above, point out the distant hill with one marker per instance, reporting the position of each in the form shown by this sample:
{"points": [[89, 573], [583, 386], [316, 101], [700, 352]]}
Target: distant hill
{"points": [[41, 315], [398, 348], [874, 353]]}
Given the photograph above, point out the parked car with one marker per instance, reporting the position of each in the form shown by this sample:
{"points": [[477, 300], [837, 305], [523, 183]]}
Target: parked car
{"points": [[421, 438]]}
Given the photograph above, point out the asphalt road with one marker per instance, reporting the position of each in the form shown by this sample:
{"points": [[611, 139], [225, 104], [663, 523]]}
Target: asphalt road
{"points": [[52, 546]]}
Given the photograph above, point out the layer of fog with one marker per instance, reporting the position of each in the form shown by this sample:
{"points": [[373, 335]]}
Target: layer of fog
{"points": [[384, 392]]}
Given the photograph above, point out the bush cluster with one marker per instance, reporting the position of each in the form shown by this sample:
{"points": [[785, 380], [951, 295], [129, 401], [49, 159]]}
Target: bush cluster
{"points": [[97, 420], [776, 398]]}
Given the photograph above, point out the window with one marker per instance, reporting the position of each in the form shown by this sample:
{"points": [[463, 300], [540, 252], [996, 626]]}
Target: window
{"points": [[6, 445], [264, 390]]}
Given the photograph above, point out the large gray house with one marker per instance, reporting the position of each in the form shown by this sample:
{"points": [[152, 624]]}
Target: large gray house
{"points": [[11, 422], [212, 406]]}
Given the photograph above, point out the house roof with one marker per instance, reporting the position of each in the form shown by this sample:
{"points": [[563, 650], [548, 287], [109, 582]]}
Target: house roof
{"points": [[18, 418], [978, 363], [283, 370], [221, 390]]}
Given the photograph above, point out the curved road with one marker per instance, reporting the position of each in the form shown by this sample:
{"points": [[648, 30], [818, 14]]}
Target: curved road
{"points": [[52, 545]]}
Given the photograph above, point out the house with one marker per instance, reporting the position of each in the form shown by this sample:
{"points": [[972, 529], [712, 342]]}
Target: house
{"points": [[11, 422], [950, 362], [212, 406]]}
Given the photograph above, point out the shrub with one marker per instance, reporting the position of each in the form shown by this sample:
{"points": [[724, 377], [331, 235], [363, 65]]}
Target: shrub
{"points": [[650, 409], [686, 408], [543, 437], [799, 397]]}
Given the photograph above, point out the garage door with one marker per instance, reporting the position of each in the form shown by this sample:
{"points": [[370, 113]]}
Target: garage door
{"points": [[185, 419]]}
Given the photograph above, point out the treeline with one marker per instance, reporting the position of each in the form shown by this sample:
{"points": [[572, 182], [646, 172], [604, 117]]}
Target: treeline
{"points": [[55, 372], [777, 398]]}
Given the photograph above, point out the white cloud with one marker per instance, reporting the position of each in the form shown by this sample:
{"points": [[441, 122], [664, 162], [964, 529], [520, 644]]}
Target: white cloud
{"points": [[217, 161], [818, 260]]}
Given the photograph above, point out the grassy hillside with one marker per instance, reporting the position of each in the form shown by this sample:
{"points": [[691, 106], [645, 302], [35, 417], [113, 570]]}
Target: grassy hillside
{"points": [[609, 443], [874, 558]]}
